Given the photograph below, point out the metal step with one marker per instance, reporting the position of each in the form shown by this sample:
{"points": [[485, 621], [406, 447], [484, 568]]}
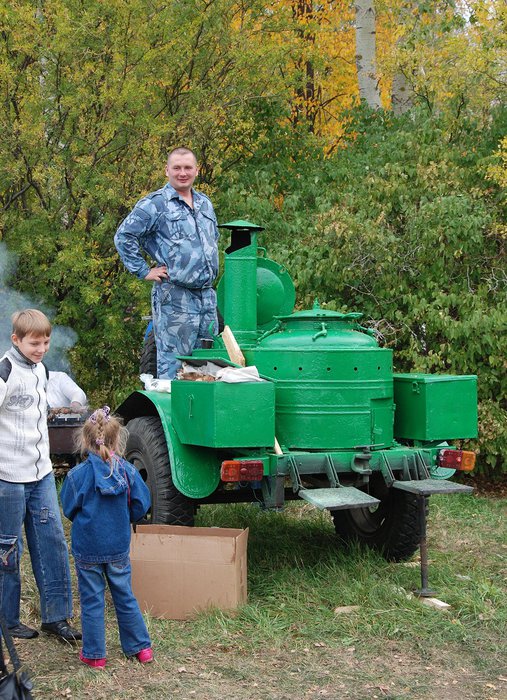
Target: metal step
{"points": [[428, 487], [339, 498]]}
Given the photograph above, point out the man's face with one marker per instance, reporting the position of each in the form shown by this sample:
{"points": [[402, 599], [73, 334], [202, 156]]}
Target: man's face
{"points": [[181, 171], [34, 347]]}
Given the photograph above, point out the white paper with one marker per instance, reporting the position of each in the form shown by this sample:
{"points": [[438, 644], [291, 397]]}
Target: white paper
{"points": [[151, 384]]}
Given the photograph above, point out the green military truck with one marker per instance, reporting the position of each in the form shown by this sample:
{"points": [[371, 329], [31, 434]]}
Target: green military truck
{"points": [[331, 423]]}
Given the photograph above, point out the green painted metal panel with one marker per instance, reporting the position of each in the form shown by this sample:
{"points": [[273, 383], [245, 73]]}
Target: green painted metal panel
{"points": [[276, 294], [401, 458], [218, 414], [338, 499], [240, 311], [329, 397], [274, 289], [195, 470], [333, 382], [435, 407], [430, 487]]}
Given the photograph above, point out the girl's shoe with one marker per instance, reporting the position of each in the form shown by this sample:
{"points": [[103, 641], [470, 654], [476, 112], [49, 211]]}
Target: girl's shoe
{"points": [[145, 656], [93, 663]]}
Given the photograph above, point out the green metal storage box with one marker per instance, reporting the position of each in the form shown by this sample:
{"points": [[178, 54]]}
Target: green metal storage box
{"points": [[219, 414], [435, 407]]}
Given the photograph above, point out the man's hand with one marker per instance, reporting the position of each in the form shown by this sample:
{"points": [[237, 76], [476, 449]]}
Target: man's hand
{"points": [[76, 407], [157, 274]]}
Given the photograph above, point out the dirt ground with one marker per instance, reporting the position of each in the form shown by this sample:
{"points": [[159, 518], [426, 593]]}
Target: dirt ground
{"points": [[396, 673], [485, 486]]}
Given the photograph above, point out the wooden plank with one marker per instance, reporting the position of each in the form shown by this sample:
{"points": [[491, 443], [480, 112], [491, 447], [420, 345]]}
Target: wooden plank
{"points": [[346, 609], [232, 347], [435, 603]]}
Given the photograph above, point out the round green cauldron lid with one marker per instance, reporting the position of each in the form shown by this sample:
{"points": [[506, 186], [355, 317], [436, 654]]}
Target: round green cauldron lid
{"points": [[332, 329], [318, 314]]}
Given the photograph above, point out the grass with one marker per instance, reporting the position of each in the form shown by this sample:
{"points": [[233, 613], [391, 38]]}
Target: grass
{"points": [[288, 642]]}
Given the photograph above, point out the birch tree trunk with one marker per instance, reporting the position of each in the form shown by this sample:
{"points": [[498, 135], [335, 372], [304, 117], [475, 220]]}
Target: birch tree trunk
{"points": [[401, 94], [365, 53]]}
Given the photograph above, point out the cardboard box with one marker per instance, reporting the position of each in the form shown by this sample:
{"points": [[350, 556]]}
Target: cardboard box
{"points": [[177, 571]]}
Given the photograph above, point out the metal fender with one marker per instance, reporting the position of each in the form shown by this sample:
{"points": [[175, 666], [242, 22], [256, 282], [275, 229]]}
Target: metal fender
{"points": [[195, 470]]}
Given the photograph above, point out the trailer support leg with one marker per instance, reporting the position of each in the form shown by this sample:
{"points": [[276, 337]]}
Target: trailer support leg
{"points": [[424, 591]]}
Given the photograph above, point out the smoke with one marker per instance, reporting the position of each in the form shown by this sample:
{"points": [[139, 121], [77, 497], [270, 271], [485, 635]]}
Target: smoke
{"points": [[62, 338]]}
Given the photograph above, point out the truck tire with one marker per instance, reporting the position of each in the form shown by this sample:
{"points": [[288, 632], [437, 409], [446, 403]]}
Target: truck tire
{"points": [[147, 451], [148, 361], [391, 529]]}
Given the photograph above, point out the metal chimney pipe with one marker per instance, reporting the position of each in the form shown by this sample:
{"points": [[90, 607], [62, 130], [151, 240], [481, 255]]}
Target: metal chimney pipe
{"points": [[240, 278]]}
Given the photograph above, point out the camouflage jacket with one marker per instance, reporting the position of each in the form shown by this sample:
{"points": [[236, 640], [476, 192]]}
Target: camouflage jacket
{"points": [[172, 234]]}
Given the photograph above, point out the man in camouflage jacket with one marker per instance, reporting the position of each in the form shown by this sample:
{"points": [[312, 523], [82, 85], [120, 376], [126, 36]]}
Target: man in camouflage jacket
{"points": [[177, 227]]}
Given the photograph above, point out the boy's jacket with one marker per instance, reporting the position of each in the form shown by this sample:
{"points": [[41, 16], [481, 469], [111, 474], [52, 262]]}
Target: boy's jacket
{"points": [[24, 456]]}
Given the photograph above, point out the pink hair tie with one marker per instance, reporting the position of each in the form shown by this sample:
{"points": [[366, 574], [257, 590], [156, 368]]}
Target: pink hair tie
{"points": [[99, 441]]}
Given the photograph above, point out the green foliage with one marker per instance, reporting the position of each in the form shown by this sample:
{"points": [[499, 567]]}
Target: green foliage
{"points": [[93, 96], [402, 218], [402, 225]]}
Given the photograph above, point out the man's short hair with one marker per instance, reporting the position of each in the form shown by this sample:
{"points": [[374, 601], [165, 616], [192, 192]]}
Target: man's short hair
{"points": [[181, 151], [30, 321]]}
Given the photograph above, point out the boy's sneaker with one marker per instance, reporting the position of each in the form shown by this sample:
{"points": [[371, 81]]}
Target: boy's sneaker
{"points": [[21, 631], [92, 663], [145, 656], [62, 630]]}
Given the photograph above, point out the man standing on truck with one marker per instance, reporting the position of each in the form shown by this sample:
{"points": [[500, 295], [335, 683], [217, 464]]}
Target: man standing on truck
{"points": [[177, 227]]}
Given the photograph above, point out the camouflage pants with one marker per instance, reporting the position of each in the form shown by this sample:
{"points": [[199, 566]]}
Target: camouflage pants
{"points": [[181, 318]]}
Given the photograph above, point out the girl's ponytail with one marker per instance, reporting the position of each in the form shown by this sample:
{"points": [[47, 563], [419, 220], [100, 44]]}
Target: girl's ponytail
{"points": [[100, 418], [103, 435]]}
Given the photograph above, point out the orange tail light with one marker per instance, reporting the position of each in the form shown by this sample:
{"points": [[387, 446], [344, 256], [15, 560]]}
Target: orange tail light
{"points": [[457, 459], [242, 470]]}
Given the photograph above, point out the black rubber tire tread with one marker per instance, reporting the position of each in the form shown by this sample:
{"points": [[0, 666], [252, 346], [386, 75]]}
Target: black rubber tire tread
{"points": [[147, 451], [148, 360], [393, 530]]}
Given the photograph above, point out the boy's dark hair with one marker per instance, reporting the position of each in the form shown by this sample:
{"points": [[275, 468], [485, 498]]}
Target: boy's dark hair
{"points": [[30, 321]]}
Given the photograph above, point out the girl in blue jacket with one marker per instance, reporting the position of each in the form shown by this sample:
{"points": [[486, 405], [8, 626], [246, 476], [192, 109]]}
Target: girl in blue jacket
{"points": [[102, 496]]}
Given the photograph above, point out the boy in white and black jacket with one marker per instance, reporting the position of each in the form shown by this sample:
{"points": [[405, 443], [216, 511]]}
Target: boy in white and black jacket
{"points": [[27, 485]]}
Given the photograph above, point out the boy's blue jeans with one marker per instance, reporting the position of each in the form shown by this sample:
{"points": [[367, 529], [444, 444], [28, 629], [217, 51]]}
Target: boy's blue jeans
{"points": [[91, 580], [34, 504]]}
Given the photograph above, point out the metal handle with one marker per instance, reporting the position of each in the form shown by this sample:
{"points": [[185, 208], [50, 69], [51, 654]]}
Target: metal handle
{"points": [[322, 332]]}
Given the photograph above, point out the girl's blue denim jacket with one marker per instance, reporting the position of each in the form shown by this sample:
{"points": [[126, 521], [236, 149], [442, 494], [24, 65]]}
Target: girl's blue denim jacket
{"points": [[102, 506]]}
